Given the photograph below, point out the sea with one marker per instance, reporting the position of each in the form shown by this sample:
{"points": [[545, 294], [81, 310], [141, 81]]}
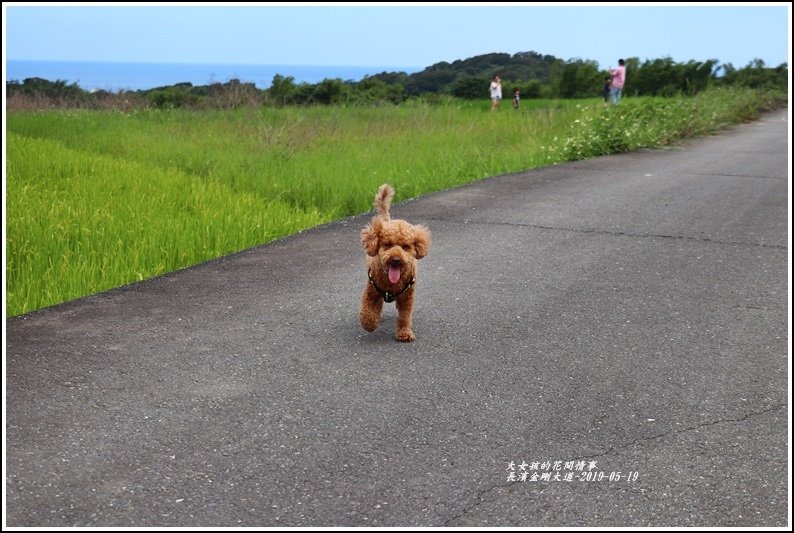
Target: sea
{"points": [[115, 77]]}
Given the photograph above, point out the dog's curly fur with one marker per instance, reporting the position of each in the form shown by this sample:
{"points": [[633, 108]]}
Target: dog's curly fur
{"points": [[393, 248]]}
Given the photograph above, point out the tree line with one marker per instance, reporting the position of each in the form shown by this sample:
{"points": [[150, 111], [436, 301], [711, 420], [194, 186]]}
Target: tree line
{"points": [[535, 75]]}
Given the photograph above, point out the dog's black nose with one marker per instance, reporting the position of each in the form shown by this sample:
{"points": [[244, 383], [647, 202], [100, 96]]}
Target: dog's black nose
{"points": [[394, 262]]}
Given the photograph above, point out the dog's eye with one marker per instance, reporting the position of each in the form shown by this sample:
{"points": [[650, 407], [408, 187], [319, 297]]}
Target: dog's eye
{"points": [[407, 247]]}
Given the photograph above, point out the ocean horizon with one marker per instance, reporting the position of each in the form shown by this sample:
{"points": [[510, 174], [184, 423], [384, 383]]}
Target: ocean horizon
{"points": [[118, 76]]}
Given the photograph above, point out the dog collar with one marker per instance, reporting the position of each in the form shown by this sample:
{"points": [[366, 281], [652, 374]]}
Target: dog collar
{"points": [[389, 297]]}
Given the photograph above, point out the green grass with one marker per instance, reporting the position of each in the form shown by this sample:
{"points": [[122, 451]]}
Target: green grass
{"points": [[79, 223], [98, 199]]}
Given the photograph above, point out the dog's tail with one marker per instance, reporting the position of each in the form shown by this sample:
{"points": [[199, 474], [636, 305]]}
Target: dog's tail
{"points": [[383, 200]]}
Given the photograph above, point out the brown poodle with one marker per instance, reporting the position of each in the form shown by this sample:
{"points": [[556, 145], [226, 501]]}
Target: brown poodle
{"points": [[393, 248]]}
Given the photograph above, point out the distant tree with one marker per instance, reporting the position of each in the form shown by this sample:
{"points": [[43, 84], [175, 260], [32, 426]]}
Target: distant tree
{"points": [[577, 79], [441, 76], [664, 77], [429, 81], [56, 90], [653, 77], [532, 89], [391, 78], [331, 91], [756, 75], [304, 94], [470, 88], [171, 97], [697, 76], [374, 89], [233, 94], [281, 89]]}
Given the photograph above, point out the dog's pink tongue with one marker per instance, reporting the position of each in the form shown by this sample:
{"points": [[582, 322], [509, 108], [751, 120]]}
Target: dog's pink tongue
{"points": [[394, 273]]}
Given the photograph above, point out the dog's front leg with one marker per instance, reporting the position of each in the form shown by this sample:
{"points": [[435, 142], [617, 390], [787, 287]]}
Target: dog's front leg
{"points": [[405, 309], [371, 308]]}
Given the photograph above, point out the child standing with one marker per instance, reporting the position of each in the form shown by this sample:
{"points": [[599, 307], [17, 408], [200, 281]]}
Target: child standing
{"points": [[607, 88]]}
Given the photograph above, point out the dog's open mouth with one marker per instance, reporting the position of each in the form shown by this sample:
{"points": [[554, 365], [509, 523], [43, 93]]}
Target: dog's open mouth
{"points": [[394, 271]]}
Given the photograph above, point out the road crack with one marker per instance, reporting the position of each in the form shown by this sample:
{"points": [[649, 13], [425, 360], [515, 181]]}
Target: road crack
{"points": [[479, 500]]}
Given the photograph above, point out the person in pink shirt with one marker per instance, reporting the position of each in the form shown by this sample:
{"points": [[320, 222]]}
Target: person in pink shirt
{"points": [[618, 79]]}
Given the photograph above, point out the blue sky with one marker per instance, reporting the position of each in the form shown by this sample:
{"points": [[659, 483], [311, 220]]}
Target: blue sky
{"points": [[392, 35]]}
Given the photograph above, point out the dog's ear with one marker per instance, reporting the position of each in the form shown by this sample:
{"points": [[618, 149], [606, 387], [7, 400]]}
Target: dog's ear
{"points": [[421, 241], [369, 237]]}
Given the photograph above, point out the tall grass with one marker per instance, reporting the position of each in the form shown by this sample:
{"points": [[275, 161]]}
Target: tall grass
{"points": [[97, 199], [311, 157], [79, 223]]}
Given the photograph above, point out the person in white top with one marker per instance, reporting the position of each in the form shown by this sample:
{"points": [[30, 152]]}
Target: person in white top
{"points": [[496, 92]]}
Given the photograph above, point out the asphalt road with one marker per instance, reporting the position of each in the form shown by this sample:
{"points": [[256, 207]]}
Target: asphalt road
{"points": [[615, 328]]}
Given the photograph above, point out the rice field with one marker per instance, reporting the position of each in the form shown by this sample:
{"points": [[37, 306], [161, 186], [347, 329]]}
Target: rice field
{"points": [[99, 199]]}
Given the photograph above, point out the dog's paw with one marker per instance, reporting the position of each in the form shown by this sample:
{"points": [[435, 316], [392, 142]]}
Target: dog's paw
{"points": [[405, 335], [369, 323]]}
